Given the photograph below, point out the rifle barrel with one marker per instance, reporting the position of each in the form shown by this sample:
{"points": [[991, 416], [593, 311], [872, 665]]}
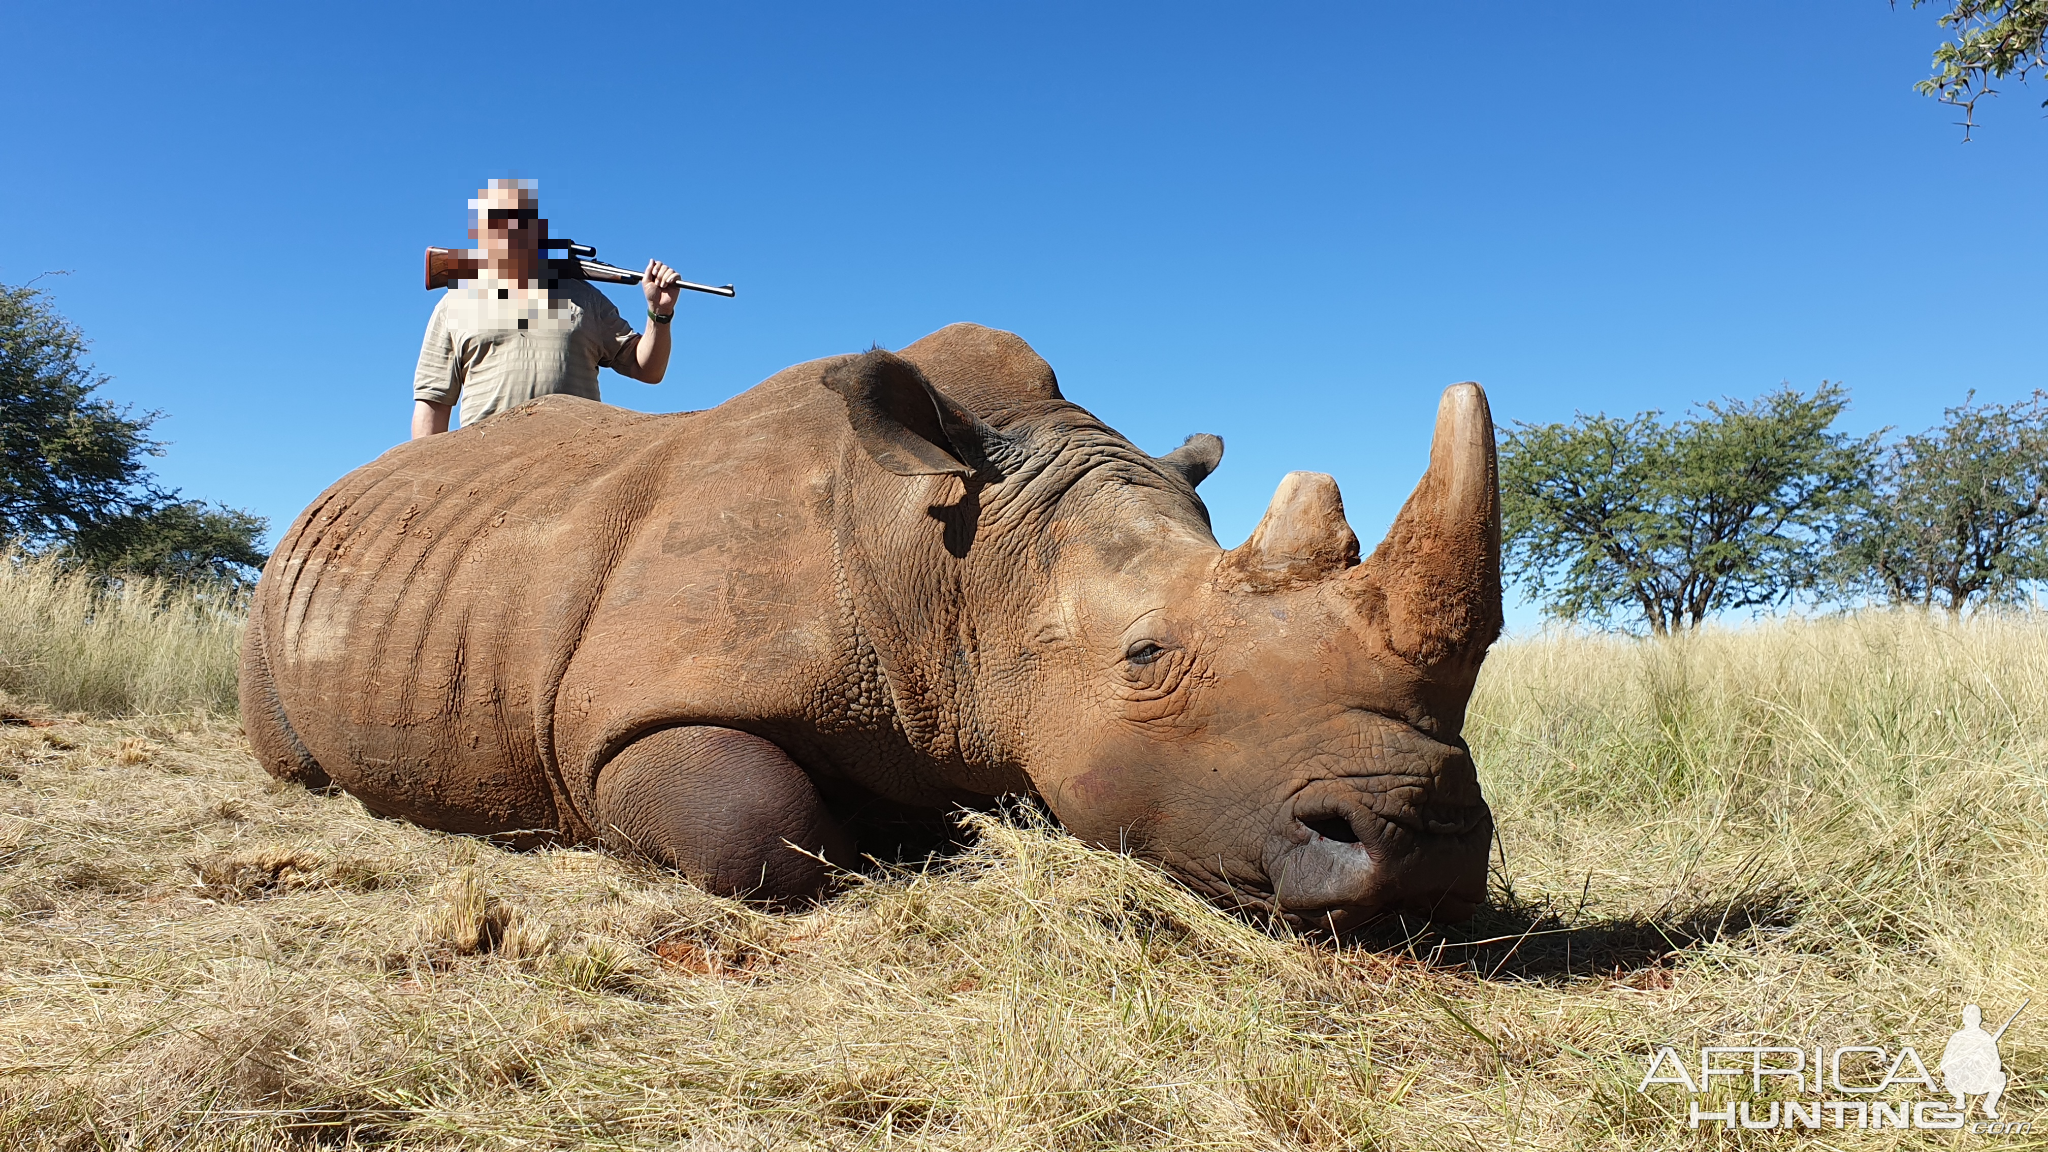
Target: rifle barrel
{"points": [[613, 274], [2009, 1019]]}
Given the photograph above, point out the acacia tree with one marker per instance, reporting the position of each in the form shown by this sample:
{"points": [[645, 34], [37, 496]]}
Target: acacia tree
{"points": [[67, 458], [72, 473], [176, 540], [1664, 524], [1958, 514], [1994, 39]]}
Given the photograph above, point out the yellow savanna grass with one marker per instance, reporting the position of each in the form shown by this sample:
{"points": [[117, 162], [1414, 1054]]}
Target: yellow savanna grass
{"points": [[1806, 832], [74, 642]]}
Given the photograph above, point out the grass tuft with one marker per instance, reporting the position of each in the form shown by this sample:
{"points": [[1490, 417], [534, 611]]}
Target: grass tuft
{"points": [[72, 642]]}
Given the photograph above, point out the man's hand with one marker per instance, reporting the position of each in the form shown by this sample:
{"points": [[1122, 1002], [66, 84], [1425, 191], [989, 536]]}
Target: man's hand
{"points": [[649, 359], [659, 283]]}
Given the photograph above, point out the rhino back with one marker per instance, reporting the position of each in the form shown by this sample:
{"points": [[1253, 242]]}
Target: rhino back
{"points": [[463, 631], [414, 620]]}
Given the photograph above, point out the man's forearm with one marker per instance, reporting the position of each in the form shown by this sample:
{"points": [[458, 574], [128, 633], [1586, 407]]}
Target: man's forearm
{"points": [[429, 418], [650, 354]]}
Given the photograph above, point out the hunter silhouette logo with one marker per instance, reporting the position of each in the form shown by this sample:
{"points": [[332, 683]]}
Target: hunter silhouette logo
{"points": [[1970, 1064], [1857, 1085]]}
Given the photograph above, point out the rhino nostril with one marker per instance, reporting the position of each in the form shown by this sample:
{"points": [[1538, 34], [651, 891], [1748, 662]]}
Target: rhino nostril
{"points": [[1333, 828]]}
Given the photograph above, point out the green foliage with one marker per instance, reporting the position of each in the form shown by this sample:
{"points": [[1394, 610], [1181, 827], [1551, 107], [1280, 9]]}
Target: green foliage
{"points": [[67, 458], [1994, 39], [72, 477], [1665, 524], [1958, 514], [175, 540]]}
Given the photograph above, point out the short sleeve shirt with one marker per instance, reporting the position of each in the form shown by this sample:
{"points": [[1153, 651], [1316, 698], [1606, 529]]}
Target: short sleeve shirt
{"points": [[495, 345]]}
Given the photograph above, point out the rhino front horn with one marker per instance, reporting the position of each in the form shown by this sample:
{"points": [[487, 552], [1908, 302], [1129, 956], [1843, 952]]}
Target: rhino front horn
{"points": [[1438, 570], [1303, 536]]}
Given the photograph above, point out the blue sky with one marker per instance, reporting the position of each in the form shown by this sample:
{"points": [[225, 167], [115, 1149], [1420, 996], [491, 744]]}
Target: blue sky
{"points": [[1291, 225]]}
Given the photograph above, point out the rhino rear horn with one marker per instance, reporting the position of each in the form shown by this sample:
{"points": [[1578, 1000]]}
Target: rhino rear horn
{"points": [[1303, 536], [1438, 570]]}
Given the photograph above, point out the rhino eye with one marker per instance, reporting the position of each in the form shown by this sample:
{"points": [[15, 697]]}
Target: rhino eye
{"points": [[1144, 652]]}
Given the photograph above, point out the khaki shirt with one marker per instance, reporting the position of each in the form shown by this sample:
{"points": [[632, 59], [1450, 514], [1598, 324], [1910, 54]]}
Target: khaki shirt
{"points": [[496, 345]]}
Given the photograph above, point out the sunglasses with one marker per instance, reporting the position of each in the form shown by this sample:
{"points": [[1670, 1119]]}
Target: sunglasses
{"points": [[499, 215]]}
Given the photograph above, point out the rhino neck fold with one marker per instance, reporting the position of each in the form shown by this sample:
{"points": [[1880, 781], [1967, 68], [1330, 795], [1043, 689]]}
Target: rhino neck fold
{"points": [[911, 637]]}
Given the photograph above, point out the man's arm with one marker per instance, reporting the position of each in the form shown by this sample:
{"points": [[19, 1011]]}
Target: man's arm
{"points": [[437, 381], [429, 418], [647, 360]]}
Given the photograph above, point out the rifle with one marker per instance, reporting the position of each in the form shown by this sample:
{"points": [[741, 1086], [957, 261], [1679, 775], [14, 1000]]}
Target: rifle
{"points": [[447, 265], [2009, 1019]]}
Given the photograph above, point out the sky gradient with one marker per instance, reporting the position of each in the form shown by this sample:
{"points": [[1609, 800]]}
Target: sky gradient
{"points": [[1289, 225]]}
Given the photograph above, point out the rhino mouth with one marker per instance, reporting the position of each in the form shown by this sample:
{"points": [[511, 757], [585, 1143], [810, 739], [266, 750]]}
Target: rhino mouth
{"points": [[1332, 872], [1402, 828], [1348, 849], [1348, 867]]}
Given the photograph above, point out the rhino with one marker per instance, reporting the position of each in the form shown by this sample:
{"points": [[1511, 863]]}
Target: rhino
{"points": [[752, 643]]}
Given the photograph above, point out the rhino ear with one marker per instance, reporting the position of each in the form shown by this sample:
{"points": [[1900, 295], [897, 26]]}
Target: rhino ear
{"points": [[1195, 459], [905, 424]]}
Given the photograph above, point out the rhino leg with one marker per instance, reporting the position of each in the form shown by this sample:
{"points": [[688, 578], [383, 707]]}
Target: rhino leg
{"points": [[724, 807], [271, 738]]}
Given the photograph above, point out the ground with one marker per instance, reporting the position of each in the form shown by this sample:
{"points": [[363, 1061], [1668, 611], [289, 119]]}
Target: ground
{"points": [[1830, 832]]}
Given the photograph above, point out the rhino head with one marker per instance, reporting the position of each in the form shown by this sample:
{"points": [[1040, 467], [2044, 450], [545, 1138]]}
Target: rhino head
{"points": [[1277, 724], [1280, 723]]}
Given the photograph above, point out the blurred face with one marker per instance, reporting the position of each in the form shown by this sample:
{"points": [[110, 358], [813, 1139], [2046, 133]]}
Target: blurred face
{"points": [[508, 228]]}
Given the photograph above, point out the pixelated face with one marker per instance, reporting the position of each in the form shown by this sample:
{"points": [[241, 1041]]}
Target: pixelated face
{"points": [[506, 222]]}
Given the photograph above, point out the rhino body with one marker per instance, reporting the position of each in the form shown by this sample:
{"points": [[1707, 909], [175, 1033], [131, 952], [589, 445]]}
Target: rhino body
{"points": [[866, 592]]}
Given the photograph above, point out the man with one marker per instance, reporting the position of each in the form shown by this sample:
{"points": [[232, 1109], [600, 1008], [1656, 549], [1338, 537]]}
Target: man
{"points": [[507, 337]]}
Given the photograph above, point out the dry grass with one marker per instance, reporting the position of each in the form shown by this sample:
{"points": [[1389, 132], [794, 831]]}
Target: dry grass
{"points": [[1802, 832], [72, 643]]}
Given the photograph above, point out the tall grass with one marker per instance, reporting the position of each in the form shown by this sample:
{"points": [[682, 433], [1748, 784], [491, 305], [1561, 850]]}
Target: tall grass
{"points": [[1807, 832], [77, 643], [1887, 773]]}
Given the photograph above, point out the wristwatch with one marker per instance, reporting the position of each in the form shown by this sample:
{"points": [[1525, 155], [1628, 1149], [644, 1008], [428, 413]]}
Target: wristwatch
{"points": [[660, 317]]}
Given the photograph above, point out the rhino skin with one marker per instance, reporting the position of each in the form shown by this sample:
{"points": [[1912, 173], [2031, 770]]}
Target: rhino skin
{"points": [[875, 588]]}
